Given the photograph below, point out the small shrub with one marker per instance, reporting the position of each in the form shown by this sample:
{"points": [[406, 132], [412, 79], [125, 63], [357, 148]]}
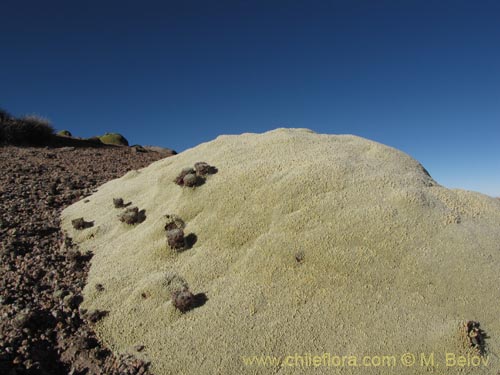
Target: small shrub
{"points": [[118, 203], [28, 130], [175, 233], [191, 180], [80, 224], [179, 180], [175, 239], [4, 115], [132, 216], [174, 222], [183, 300], [192, 177], [188, 178], [476, 336], [203, 169], [64, 133], [114, 139]]}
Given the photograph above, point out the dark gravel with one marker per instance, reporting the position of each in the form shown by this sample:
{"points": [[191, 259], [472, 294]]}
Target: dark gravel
{"points": [[42, 274]]}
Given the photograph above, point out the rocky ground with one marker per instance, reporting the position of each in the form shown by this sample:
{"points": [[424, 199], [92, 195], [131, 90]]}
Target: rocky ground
{"points": [[42, 274]]}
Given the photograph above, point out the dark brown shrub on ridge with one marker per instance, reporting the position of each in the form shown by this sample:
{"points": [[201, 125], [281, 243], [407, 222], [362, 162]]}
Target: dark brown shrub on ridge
{"points": [[28, 130], [4, 115]]}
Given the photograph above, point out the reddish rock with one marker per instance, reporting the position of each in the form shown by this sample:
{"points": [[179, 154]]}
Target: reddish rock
{"points": [[42, 273]]}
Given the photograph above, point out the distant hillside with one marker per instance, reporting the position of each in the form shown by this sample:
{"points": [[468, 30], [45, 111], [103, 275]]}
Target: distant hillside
{"points": [[34, 130]]}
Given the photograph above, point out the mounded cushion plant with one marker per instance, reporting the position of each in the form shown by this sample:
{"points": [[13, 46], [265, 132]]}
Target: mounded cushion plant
{"points": [[114, 139], [378, 254]]}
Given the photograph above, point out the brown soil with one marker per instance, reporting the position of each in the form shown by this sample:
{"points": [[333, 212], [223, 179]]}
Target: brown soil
{"points": [[42, 274]]}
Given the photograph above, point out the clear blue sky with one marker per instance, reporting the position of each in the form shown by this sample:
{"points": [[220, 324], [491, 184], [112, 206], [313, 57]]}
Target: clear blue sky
{"points": [[421, 76]]}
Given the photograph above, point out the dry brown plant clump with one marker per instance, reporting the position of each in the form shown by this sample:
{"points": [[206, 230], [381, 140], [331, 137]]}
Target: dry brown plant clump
{"points": [[118, 202], [183, 300], [80, 224], [186, 177], [203, 169], [175, 239], [175, 232], [132, 216], [476, 336], [27, 130], [196, 176]]}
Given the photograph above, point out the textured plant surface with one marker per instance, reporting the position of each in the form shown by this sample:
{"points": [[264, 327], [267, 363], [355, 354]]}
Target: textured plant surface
{"points": [[114, 139]]}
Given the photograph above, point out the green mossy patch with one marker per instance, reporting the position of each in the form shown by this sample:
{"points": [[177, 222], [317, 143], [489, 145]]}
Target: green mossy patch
{"points": [[113, 139]]}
